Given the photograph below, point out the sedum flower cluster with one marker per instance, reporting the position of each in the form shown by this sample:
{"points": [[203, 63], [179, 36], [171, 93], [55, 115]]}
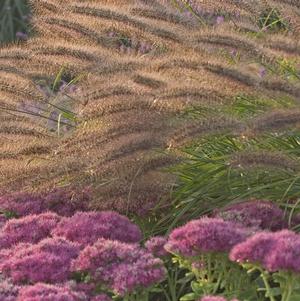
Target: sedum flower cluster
{"points": [[226, 249], [120, 266], [42, 254]]}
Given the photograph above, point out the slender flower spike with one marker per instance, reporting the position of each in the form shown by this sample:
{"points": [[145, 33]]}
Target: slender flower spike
{"points": [[205, 235], [87, 227]]}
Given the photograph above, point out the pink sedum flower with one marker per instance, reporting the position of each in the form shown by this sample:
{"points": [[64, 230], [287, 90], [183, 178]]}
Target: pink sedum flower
{"points": [[48, 261], [8, 291], [205, 235], [273, 251], [47, 292], [31, 229], [215, 298], [64, 201], [101, 297], [258, 214], [87, 227], [122, 267]]}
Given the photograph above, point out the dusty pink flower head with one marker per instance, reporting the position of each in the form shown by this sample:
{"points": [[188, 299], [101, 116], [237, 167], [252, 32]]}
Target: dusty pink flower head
{"points": [[47, 292], [122, 267], [212, 298], [273, 251], [8, 291], [64, 201], [48, 261], [5, 254], [21, 203], [155, 245], [101, 297], [286, 253], [31, 229], [259, 214], [87, 227], [205, 235]]}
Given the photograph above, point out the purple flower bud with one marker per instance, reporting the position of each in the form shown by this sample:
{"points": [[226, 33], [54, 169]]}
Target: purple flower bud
{"points": [[233, 52], [262, 72], [220, 20], [111, 34], [22, 35]]}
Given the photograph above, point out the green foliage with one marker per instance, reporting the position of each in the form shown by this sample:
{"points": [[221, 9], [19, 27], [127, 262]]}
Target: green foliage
{"points": [[271, 19], [14, 15], [212, 177]]}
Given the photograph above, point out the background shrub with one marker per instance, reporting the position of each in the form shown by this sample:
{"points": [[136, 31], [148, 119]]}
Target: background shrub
{"points": [[14, 16]]}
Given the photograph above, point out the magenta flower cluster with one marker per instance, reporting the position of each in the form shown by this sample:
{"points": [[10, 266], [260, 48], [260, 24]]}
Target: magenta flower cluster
{"points": [[47, 292], [48, 261], [39, 254], [31, 229], [122, 267], [273, 251], [64, 201], [205, 235], [156, 246], [87, 227], [215, 298], [8, 291], [257, 214]]}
